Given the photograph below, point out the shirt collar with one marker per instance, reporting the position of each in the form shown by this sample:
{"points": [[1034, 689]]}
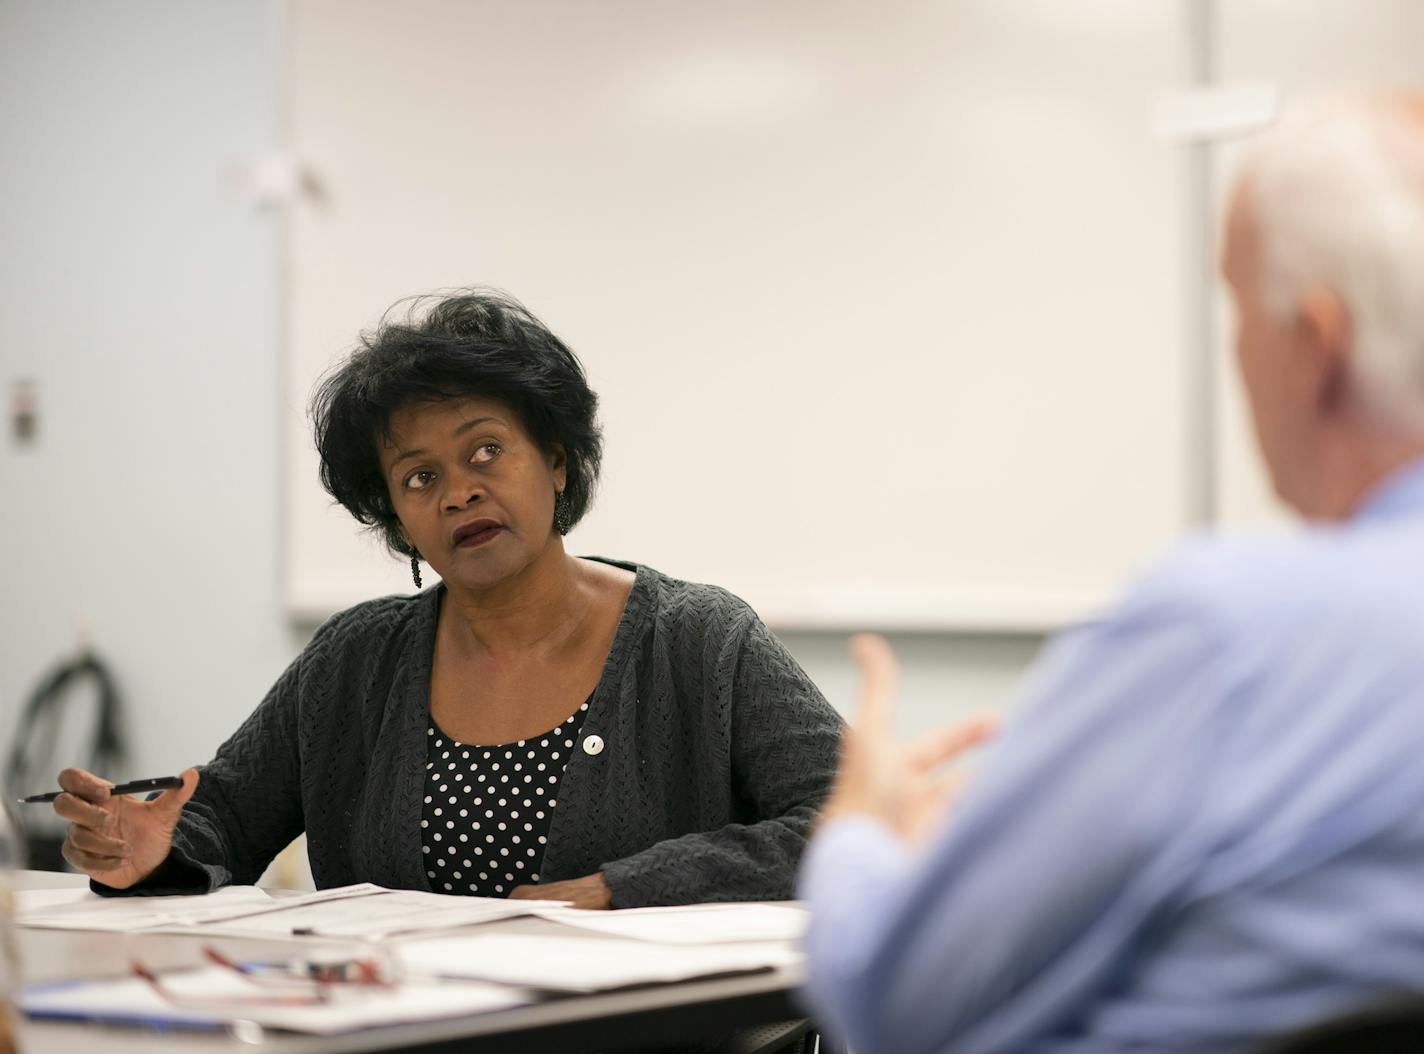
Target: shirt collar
{"points": [[1401, 493]]}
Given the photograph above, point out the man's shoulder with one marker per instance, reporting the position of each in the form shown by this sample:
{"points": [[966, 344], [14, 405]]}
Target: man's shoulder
{"points": [[1220, 562], [1243, 576]]}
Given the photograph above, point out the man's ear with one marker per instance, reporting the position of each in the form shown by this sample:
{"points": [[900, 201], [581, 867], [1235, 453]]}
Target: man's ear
{"points": [[1325, 350]]}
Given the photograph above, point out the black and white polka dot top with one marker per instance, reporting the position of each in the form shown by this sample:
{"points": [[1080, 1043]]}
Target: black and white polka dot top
{"points": [[487, 808]]}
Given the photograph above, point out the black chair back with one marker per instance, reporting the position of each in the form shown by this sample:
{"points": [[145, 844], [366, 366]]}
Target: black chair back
{"points": [[783, 1037], [36, 754], [1392, 1027]]}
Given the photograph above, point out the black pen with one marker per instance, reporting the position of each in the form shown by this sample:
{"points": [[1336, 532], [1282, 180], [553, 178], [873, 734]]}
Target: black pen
{"points": [[132, 787]]}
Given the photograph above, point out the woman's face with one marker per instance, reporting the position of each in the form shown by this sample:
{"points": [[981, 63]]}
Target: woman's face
{"points": [[472, 489]]}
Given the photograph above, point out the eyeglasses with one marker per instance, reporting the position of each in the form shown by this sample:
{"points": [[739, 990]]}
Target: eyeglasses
{"points": [[299, 983]]}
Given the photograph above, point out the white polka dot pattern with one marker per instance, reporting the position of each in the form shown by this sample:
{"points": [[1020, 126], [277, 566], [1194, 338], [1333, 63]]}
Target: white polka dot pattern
{"points": [[495, 820]]}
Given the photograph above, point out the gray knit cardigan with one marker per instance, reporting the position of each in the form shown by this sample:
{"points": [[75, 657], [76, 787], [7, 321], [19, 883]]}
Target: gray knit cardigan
{"points": [[718, 751]]}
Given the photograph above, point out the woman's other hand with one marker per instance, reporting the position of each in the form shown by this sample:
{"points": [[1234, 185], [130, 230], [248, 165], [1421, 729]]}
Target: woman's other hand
{"points": [[590, 892], [116, 839]]}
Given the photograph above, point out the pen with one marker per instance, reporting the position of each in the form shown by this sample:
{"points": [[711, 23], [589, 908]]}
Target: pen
{"points": [[132, 787]]}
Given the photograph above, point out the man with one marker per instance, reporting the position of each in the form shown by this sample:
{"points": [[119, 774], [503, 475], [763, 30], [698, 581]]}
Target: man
{"points": [[1207, 827]]}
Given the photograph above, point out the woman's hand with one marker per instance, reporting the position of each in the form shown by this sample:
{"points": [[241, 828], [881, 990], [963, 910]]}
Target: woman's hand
{"points": [[116, 839], [589, 892], [902, 786]]}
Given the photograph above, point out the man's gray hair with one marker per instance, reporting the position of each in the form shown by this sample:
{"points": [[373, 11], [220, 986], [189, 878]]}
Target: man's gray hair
{"points": [[1337, 191]]}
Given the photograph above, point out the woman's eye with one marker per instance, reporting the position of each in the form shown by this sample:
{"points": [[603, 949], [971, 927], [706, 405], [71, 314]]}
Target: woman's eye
{"points": [[487, 452], [419, 480]]}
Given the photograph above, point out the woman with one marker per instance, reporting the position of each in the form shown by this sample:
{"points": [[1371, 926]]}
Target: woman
{"points": [[537, 724]]}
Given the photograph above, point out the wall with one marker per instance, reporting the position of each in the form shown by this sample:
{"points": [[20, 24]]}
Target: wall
{"points": [[139, 290], [944, 676]]}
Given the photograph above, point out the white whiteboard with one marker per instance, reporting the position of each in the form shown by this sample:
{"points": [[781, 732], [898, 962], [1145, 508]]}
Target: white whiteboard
{"points": [[884, 302]]}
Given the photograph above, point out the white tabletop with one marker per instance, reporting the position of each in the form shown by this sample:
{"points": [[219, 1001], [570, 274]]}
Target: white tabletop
{"points": [[687, 1011]]}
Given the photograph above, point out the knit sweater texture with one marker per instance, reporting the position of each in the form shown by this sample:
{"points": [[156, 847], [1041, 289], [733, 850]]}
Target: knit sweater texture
{"points": [[717, 752]]}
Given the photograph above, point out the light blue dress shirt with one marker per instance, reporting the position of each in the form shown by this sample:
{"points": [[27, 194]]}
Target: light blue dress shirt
{"points": [[1206, 826]]}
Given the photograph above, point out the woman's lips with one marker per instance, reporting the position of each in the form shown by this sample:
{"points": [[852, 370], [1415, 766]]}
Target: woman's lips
{"points": [[476, 532], [479, 537]]}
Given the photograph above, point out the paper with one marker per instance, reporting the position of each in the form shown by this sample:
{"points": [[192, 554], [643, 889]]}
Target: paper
{"points": [[361, 911], [582, 964], [694, 924], [208, 996], [38, 900], [383, 913], [79, 909]]}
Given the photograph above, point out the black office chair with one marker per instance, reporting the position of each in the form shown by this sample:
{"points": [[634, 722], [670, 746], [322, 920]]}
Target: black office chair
{"points": [[1392, 1027], [785, 1037], [39, 750], [782, 1037]]}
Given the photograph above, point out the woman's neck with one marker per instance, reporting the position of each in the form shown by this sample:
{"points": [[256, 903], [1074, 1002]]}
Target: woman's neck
{"points": [[541, 608]]}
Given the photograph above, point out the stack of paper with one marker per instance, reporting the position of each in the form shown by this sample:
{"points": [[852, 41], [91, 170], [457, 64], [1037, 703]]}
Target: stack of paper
{"points": [[582, 964], [692, 924], [634, 947]]}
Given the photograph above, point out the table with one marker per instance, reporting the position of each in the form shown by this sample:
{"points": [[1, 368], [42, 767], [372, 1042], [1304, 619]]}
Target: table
{"points": [[687, 1013]]}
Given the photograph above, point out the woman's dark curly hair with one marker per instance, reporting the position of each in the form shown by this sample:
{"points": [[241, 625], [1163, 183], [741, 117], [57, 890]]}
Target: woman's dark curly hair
{"points": [[476, 342]]}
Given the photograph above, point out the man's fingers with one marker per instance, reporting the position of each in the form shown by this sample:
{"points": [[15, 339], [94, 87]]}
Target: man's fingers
{"points": [[97, 844], [84, 785], [79, 811], [946, 743], [949, 785], [879, 681]]}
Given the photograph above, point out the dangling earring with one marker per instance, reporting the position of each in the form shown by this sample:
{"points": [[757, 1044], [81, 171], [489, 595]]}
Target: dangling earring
{"points": [[415, 568], [563, 522]]}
